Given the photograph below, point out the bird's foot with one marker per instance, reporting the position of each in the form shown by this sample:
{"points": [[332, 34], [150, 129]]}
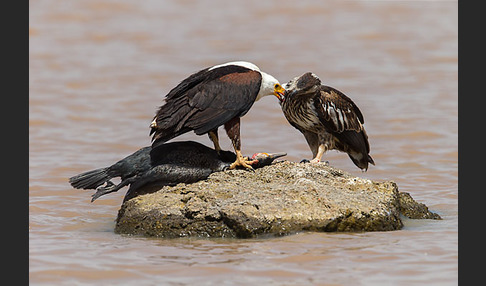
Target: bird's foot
{"points": [[99, 193], [315, 161], [243, 162], [108, 188]]}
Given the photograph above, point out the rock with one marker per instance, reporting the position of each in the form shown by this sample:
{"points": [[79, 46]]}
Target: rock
{"points": [[279, 199], [412, 209]]}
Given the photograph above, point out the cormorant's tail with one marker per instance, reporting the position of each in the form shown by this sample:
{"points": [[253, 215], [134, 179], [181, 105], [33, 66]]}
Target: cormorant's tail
{"points": [[91, 179]]}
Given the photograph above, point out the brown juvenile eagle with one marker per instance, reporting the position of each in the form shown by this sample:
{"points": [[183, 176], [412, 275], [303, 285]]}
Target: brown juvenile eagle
{"points": [[210, 98], [327, 118]]}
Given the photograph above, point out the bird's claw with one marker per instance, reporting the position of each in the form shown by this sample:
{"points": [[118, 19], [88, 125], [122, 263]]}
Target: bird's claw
{"points": [[243, 162], [315, 161], [100, 191]]}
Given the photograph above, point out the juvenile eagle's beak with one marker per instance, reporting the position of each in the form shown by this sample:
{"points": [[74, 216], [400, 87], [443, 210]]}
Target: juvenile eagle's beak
{"points": [[279, 92]]}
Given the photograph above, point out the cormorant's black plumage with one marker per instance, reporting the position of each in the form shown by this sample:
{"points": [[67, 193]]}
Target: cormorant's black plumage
{"points": [[129, 169], [149, 168], [327, 118]]}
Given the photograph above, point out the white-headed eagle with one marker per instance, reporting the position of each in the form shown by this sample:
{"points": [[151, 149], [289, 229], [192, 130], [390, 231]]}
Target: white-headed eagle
{"points": [[210, 98]]}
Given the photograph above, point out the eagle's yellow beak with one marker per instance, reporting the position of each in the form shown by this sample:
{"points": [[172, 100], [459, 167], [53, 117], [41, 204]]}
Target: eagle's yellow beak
{"points": [[278, 91]]}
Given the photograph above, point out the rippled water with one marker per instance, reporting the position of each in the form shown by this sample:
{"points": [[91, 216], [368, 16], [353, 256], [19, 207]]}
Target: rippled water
{"points": [[99, 70]]}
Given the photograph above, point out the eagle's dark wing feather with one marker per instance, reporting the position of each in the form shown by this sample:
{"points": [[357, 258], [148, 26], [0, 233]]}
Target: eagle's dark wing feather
{"points": [[203, 103], [338, 111], [222, 99], [341, 117]]}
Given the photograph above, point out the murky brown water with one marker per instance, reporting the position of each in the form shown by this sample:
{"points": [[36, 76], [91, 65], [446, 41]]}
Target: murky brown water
{"points": [[99, 70]]}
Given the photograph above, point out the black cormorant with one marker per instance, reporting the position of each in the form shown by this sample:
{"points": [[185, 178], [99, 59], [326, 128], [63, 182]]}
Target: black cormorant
{"points": [[148, 169]]}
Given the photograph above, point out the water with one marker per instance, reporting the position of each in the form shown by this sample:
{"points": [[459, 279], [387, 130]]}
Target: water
{"points": [[99, 70]]}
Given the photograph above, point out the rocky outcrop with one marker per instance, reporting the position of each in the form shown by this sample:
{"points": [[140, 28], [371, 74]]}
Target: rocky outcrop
{"points": [[279, 199]]}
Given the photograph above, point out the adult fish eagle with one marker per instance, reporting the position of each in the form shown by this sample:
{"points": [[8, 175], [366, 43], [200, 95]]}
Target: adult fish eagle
{"points": [[210, 98], [327, 118]]}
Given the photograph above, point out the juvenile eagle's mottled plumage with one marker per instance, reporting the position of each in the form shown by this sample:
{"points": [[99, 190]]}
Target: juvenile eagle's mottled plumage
{"points": [[327, 118]]}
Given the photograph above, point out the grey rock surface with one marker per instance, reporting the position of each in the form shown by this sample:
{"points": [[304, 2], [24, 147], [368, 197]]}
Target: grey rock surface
{"points": [[279, 199]]}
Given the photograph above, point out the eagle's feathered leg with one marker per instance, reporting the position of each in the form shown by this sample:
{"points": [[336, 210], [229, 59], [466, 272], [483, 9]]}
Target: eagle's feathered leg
{"points": [[312, 140], [213, 135], [232, 128]]}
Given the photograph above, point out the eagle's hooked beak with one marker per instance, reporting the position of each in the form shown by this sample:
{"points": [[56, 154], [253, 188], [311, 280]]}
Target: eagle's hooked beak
{"points": [[279, 91]]}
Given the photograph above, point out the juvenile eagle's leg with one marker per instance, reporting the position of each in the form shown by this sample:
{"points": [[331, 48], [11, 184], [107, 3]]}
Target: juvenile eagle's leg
{"points": [[320, 151], [313, 142], [232, 128]]}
